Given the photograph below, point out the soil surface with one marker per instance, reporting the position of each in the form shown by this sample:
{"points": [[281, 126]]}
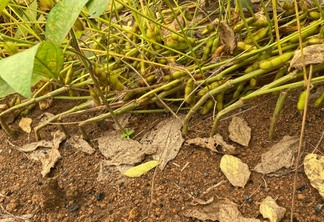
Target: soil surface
{"points": [[72, 193]]}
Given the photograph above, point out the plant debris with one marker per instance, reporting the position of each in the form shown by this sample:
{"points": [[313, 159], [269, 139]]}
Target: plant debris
{"points": [[235, 170], [270, 210], [314, 170], [239, 131], [280, 155]]}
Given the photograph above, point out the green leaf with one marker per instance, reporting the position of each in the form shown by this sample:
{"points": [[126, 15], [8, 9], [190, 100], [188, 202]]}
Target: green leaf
{"points": [[5, 89], [49, 60], [3, 4], [61, 18], [97, 7], [141, 169], [17, 71]]}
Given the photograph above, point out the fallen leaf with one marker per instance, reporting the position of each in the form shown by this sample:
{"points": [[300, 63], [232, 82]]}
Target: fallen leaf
{"points": [[314, 170], [280, 155], [313, 54], [239, 131], [212, 143], [235, 170], [79, 143], [167, 138], [122, 151], [270, 210], [222, 210], [227, 37], [25, 124], [34, 145], [141, 169], [203, 212], [199, 201], [228, 212], [45, 151]]}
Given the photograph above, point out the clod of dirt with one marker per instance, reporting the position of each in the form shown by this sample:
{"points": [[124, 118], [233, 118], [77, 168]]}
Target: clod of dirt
{"points": [[314, 168], [313, 54], [280, 155], [239, 131], [212, 144], [25, 124], [270, 210], [235, 170]]}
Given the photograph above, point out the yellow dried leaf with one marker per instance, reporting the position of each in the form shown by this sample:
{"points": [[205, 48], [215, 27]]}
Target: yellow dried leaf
{"points": [[235, 170], [270, 210], [25, 123], [141, 169], [314, 170]]}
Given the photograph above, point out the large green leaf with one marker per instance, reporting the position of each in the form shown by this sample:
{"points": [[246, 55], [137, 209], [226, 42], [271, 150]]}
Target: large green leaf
{"points": [[61, 18], [5, 89], [3, 4], [17, 71], [49, 60], [97, 7]]}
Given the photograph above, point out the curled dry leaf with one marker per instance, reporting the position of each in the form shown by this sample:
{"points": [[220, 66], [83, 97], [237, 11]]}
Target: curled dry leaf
{"points": [[228, 212], [45, 151], [280, 155], [270, 210], [25, 124], [314, 170], [235, 170], [213, 143], [313, 54], [239, 131], [227, 36]]}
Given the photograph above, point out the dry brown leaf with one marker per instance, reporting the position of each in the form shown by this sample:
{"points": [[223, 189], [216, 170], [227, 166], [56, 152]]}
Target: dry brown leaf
{"points": [[314, 170], [123, 120], [203, 212], [198, 201], [313, 54], [270, 210], [49, 154], [167, 138], [280, 155], [235, 170], [228, 212], [239, 131], [222, 210], [122, 151], [34, 145], [79, 143], [212, 144], [227, 37], [25, 124]]}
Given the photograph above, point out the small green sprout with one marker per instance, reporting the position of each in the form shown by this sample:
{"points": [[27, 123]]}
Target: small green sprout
{"points": [[127, 133]]}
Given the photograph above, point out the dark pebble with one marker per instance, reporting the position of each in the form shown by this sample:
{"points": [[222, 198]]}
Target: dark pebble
{"points": [[100, 196]]}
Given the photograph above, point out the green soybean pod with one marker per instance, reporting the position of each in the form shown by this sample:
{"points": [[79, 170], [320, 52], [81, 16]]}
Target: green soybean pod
{"points": [[207, 107], [189, 96], [261, 33], [276, 61], [319, 100], [301, 101]]}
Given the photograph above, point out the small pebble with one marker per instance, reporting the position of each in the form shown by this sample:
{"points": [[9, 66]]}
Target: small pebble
{"points": [[100, 196]]}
